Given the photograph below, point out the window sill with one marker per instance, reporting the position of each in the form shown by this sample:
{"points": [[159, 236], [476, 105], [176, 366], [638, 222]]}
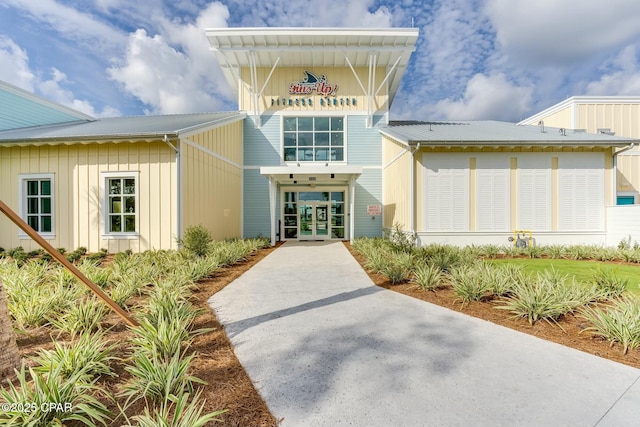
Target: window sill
{"points": [[121, 236], [45, 236]]}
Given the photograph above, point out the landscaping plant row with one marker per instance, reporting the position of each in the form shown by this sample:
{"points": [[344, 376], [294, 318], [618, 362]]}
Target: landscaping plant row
{"points": [[604, 301], [42, 294]]}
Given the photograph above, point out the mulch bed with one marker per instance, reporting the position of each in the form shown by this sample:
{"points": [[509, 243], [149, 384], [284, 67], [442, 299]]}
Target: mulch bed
{"points": [[567, 331]]}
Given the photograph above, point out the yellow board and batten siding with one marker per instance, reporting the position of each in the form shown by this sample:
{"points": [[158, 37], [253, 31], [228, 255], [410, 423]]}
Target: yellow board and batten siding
{"points": [[78, 201], [212, 184], [277, 88], [396, 163], [622, 118]]}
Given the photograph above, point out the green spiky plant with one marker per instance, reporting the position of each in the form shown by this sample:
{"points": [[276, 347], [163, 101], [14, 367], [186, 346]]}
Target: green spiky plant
{"points": [[90, 355], [177, 411], [39, 389], [617, 322]]}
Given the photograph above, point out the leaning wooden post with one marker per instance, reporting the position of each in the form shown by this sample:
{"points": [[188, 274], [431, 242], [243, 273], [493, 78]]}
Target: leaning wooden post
{"points": [[65, 262]]}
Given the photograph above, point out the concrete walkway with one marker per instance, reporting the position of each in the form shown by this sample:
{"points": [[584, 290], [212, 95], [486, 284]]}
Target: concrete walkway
{"points": [[326, 347]]}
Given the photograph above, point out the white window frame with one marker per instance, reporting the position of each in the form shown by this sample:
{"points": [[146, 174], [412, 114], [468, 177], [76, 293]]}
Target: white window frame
{"points": [[104, 193], [315, 114], [22, 204]]}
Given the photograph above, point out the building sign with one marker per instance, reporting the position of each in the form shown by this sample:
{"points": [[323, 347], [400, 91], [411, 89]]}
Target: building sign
{"points": [[301, 93], [312, 83], [374, 210]]}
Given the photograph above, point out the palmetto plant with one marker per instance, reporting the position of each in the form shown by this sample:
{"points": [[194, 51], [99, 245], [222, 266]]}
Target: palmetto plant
{"points": [[617, 322]]}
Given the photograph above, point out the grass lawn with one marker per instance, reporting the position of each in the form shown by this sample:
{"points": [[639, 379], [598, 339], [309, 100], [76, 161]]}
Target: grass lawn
{"points": [[582, 271]]}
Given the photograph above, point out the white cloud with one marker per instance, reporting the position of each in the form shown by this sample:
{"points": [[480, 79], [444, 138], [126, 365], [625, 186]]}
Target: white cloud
{"points": [[622, 79], [487, 97], [175, 72], [19, 73], [53, 89], [70, 22], [328, 13], [562, 31]]}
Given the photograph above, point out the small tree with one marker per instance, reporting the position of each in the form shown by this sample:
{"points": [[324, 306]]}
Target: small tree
{"points": [[196, 240], [10, 355]]}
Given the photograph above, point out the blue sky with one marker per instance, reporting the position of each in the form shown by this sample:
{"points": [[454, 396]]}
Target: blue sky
{"points": [[492, 59]]}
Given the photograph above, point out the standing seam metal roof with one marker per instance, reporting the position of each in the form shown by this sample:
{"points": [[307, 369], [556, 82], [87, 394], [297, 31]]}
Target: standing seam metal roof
{"points": [[486, 133], [138, 127]]}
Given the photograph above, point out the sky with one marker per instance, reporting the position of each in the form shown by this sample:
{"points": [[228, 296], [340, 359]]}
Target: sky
{"points": [[474, 60]]}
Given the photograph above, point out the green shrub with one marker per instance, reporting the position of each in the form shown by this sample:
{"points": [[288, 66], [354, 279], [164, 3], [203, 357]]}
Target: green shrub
{"points": [[175, 411], [83, 316], [427, 277], [470, 282], [401, 240], [398, 267], [547, 297], [156, 378], [52, 387], [609, 284], [196, 240], [89, 356], [618, 322]]}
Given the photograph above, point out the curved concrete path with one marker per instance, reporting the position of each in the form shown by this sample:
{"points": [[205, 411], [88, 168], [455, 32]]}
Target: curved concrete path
{"points": [[326, 347]]}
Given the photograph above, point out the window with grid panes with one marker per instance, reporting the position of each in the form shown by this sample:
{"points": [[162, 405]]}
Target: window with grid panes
{"points": [[38, 202], [313, 139], [122, 207]]}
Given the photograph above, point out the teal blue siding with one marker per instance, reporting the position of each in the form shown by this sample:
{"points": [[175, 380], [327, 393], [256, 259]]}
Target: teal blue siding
{"points": [[368, 192], [256, 204], [262, 146], [364, 144], [20, 112]]}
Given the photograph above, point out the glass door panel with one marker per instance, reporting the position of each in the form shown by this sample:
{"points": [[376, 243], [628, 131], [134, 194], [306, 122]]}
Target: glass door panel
{"points": [[322, 222], [306, 220]]}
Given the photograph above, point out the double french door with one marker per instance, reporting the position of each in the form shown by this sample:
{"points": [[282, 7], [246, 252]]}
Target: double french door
{"points": [[314, 220], [313, 215]]}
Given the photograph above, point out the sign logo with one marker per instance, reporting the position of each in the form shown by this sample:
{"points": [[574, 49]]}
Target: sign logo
{"points": [[312, 83]]}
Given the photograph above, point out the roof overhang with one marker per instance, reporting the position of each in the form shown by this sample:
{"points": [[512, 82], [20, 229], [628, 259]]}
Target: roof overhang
{"points": [[312, 174], [237, 48]]}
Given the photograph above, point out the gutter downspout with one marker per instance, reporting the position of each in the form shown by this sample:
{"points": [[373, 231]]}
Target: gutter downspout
{"points": [[412, 178], [615, 170], [179, 213]]}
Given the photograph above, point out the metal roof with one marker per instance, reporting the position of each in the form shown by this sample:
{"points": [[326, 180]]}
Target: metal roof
{"points": [[495, 133], [20, 109], [313, 47], [121, 128]]}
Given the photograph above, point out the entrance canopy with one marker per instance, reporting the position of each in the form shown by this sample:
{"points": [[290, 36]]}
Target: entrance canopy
{"points": [[309, 177], [312, 175], [252, 48]]}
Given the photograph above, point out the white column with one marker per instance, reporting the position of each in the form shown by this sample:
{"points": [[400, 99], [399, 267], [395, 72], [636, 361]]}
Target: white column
{"points": [[273, 189], [352, 214]]}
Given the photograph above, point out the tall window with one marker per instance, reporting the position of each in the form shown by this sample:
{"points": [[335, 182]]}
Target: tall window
{"points": [[121, 203], [313, 139], [37, 201]]}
